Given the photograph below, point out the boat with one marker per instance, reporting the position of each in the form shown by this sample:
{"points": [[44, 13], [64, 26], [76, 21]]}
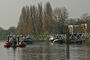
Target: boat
{"points": [[14, 44], [27, 41], [51, 39], [56, 39], [8, 45]]}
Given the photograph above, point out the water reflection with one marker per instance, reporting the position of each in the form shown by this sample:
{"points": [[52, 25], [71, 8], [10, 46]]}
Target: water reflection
{"points": [[56, 52], [45, 51], [79, 53], [12, 54]]}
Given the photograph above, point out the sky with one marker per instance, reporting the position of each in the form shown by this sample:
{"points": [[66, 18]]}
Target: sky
{"points": [[10, 10]]}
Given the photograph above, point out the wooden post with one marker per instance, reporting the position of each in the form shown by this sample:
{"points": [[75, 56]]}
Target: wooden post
{"points": [[67, 44]]}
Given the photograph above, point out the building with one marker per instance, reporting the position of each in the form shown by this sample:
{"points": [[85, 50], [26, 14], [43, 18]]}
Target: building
{"points": [[82, 28]]}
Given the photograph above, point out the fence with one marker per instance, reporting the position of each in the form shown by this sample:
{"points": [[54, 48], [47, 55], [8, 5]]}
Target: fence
{"points": [[75, 36]]}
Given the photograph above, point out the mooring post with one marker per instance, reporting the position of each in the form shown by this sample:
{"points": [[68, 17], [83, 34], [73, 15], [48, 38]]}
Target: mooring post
{"points": [[67, 44]]}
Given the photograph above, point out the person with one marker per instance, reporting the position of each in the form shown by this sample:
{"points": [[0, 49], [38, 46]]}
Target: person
{"points": [[10, 40], [57, 37], [14, 42]]}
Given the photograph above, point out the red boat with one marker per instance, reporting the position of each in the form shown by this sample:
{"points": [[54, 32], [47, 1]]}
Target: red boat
{"points": [[7, 45], [14, 44]]}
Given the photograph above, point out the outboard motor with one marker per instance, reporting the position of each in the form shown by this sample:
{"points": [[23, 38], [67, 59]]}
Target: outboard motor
{"points": [[22, 44]]}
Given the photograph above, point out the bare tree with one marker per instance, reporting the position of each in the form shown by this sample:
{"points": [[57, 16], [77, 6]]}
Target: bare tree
{"points": [[60, 15]]}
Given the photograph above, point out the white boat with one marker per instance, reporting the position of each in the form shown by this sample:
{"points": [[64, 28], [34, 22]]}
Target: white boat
{"points": [[56, 39]]}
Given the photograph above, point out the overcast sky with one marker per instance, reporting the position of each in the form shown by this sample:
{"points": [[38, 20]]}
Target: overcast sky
{"points": [[10, 9]]}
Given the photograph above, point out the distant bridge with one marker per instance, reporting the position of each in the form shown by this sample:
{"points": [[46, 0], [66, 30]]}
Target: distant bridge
{"points": [[79, 36], [74, 36]]}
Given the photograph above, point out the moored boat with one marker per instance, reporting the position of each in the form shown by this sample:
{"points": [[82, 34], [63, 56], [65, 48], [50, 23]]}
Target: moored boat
{"points": [[27, 41], [56, 39]]}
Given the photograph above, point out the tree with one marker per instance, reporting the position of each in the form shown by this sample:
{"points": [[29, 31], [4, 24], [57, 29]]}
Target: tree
{"points": [[36, 20], [40, 17], [21, 21], [47, 19], [60, 15]]}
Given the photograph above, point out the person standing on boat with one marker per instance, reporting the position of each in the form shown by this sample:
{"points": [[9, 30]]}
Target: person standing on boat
{"points": [[10, 40], [14, 42]]}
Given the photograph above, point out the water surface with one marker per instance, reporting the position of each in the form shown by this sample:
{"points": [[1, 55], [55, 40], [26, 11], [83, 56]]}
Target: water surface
{"points": [[45, 51]]}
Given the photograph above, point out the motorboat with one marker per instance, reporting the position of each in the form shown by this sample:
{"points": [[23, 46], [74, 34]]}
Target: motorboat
{"points": [[56, 39], [14, 44], [27, 41]]}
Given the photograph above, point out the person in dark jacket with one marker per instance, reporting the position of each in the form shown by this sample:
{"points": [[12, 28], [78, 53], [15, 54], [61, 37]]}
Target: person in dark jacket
{"points": [[14, 42]]}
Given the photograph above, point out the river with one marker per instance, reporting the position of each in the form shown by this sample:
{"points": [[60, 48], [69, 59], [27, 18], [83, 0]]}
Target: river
{"points": [[45, 51]]}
